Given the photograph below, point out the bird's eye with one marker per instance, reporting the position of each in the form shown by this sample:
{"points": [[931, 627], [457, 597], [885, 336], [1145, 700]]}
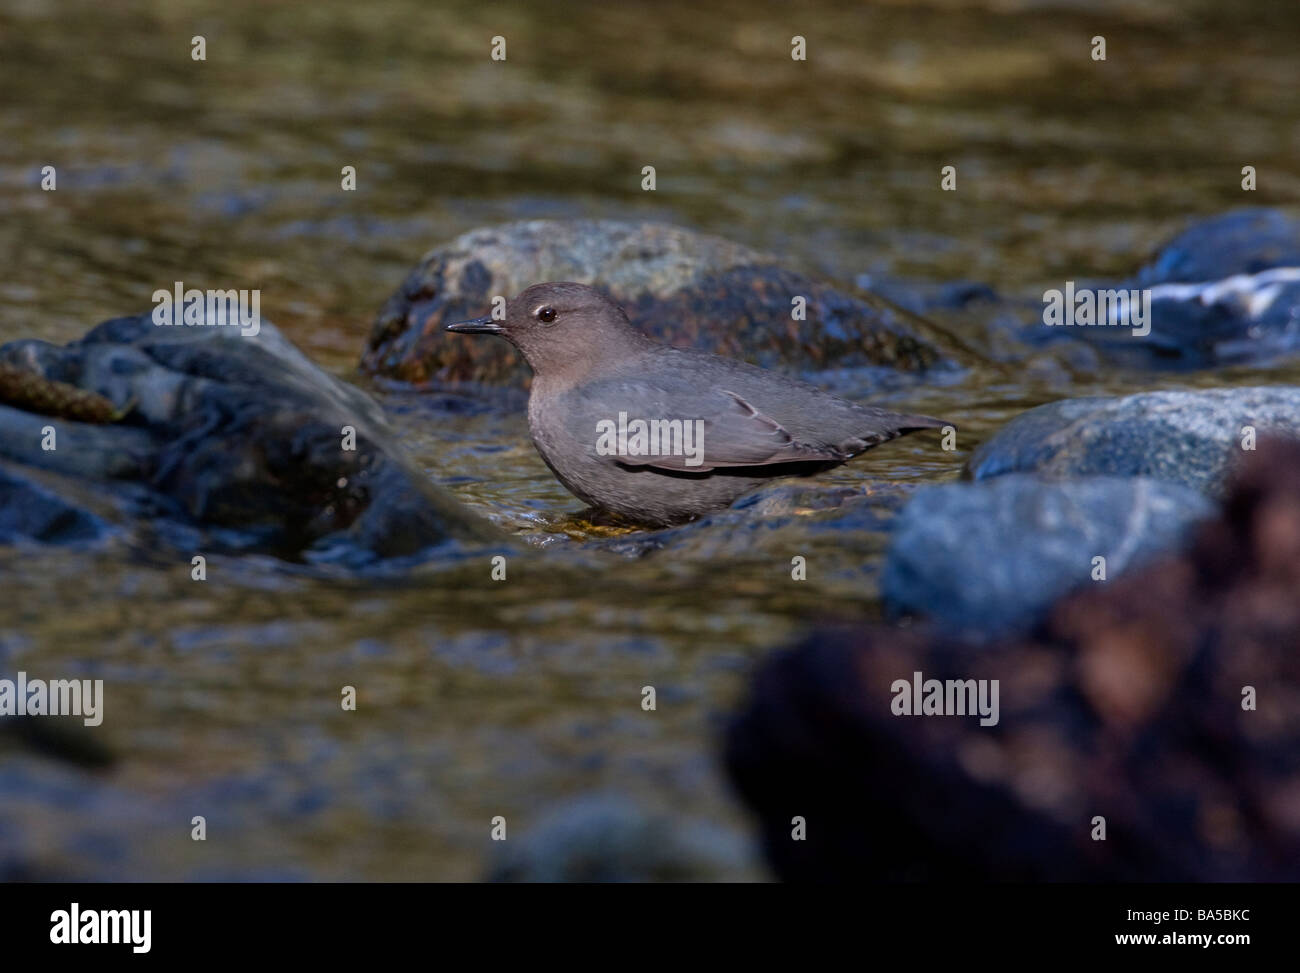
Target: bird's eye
{"points": [[546, 314]]}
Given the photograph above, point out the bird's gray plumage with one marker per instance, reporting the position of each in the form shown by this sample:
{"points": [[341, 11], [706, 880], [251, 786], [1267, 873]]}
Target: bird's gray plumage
{"points": [[590, 365]]}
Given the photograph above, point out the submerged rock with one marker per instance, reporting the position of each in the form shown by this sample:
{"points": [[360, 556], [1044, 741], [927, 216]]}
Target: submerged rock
{"points": [[64, 738], [605, 838], [986, 558], [685, 288], [1164, 706], [233, 441], [1187, 437]]}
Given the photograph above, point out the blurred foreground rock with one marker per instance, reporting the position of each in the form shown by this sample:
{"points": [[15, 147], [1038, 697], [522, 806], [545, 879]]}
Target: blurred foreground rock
{"points": [[1166, 702], [684, 288], [210, 440]]}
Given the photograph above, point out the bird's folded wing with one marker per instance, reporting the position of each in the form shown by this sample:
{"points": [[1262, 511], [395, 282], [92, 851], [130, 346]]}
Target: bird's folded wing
{"points": [[726, 431]]}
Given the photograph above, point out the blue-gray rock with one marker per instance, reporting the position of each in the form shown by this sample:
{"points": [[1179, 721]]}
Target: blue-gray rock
{"points": [[30, 512], [1190, 437], [1223, 321], [1224, 291], [1245, 241], [985, 559]]}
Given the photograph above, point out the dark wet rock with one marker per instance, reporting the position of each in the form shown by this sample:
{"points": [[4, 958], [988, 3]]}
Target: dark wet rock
{"points": [[60, 738], [685, 288], [1185, 436], [1233, 320], [239, 436], [986, 558], [604, 838], [1128, 706], [28, 511], [57, 737], [1226, 290]]}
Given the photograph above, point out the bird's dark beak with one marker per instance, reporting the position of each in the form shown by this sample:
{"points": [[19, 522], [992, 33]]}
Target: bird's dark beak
{"points": [[484, 325]]}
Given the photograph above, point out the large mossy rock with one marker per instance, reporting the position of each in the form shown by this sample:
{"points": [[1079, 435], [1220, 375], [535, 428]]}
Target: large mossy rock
{"points": [[685, 288]]}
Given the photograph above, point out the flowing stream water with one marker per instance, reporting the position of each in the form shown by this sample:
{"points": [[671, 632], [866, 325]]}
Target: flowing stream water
{"points": [[479, 699]]}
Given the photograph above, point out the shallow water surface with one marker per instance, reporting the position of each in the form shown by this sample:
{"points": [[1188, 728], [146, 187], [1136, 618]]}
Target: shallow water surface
{"points": [[481, 698]]}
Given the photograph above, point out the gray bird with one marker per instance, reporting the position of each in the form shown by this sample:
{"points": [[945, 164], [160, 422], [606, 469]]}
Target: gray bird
{"points": [[661, 435]]}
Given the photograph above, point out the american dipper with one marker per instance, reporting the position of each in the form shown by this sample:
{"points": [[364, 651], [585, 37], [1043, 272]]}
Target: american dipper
{"points": [[661, 435]]}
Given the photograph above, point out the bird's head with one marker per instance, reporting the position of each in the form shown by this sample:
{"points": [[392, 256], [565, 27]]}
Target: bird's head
{"points": [[559, 326]]}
